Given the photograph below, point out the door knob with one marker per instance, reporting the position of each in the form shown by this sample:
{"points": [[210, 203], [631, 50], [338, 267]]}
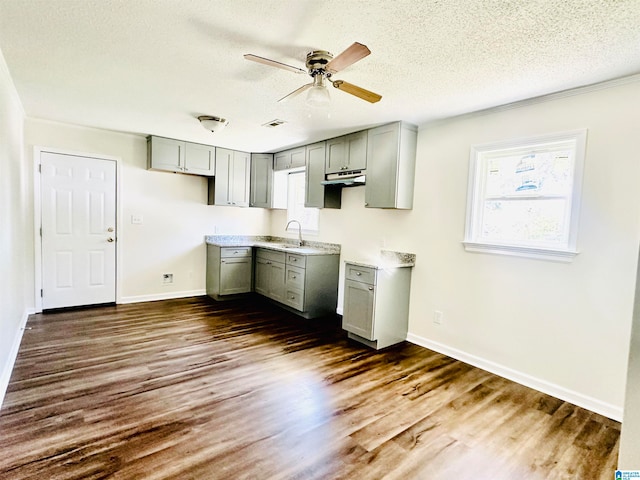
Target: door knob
{"points": [[110, 229], [110, 240]]}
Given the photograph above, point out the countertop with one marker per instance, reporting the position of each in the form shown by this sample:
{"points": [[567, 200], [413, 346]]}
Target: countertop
{"points": [[387, 259], [279, 244]]}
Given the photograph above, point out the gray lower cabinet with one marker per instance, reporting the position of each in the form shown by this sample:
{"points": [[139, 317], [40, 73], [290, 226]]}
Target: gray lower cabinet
{"points": [[229, 271], [376, 304], [305, 284], [270, 274]]}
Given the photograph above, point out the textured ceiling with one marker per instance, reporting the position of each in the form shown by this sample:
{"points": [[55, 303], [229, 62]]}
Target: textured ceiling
{"points": [[152, 66]]}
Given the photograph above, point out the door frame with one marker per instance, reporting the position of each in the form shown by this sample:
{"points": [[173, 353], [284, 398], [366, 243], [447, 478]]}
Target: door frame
{"points": [[37, 218]]}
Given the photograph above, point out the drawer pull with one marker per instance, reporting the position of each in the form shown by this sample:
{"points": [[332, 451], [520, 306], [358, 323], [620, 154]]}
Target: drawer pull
{"points": [[294, 277], [292, 297], [358, 274], [371, 288]]}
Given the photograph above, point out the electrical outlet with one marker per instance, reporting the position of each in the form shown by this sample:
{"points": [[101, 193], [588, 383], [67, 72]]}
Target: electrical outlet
{"points": [[167, 278], [437, 317]]}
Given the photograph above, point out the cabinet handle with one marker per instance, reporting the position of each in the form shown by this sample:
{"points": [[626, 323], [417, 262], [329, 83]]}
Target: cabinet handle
{"points": [[268, 263], [292, 297], [370, 288], [294, 277], [358, 274]]}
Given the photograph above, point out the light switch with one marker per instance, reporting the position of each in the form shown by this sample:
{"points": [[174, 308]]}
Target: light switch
{"points": [[136, 219]]}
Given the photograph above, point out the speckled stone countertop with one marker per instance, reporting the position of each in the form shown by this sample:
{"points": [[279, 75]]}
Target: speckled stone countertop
{"points": [[274, 243], [387, 259]]}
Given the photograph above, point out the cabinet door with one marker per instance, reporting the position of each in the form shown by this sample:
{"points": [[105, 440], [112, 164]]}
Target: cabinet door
{"points": [[314, 192], [261, 179], [199, 159], [282, 160], [297, 157], [356, 148], [240, 179], [381, 186], [358, 316], [262, 273], [224, 158], [235, 275], [336, 155], [166, 154], [277, 282]]}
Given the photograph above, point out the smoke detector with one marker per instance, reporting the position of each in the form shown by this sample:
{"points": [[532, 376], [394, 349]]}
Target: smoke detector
{"points": [[213, 124]]}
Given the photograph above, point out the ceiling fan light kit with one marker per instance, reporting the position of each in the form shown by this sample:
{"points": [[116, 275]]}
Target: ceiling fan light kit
{"points": [[318, 95], [321, 65], [212, 123]]}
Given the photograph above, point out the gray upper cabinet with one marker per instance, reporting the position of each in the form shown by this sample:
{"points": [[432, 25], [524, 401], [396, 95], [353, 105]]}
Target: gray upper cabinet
{"points": [[391, 166], [232, 182], [316, 194], [181, 157], [348, 152], [289, 159], [261, 180], [200, 159]]}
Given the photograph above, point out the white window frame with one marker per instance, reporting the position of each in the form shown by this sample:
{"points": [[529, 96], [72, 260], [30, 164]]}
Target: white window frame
{"points": [[476, 197], [307, 216]]}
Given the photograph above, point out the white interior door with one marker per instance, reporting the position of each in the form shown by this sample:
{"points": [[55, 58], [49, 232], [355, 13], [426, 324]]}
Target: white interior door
{"points": [[78, 196]]}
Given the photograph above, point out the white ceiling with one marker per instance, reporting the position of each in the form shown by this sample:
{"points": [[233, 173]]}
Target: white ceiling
{"points": [[153, 66]]}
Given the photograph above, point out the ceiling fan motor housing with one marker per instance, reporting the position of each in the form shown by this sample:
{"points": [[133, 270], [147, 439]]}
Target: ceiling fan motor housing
{"points": [[317, 61]]}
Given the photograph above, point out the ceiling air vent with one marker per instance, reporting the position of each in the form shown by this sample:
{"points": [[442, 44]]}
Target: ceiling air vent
{"points": [[274, 123]]}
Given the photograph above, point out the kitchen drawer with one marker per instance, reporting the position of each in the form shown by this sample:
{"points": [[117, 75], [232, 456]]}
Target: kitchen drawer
{"points": [[294, 298], [360, 274], [295, 277], [227, 252], [271, 255], [297, 260]]}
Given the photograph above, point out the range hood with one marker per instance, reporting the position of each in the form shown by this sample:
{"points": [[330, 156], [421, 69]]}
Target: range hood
{"points": [[350, 178]]}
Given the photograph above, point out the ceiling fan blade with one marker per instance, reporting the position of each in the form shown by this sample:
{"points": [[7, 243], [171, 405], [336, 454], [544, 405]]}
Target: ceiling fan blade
{"points": [[273, 63], [359, 92], [351, 55], [296, 92]]}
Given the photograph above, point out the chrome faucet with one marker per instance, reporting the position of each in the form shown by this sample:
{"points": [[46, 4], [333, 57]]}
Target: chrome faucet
{"points": [[299, 230]]}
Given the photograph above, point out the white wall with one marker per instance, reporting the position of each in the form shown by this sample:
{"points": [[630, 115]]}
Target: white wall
{"points": [[562, 328], [15, 254], [173, 207]]}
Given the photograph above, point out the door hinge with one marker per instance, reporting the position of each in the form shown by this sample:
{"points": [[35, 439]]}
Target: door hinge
{"points": [[41, 293], [40, 231], [39, 168]]}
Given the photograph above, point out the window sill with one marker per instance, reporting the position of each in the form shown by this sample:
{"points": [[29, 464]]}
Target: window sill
{"points": [[566, 256]]}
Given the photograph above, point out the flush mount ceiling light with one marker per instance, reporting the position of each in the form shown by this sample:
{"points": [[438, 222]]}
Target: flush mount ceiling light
{"points": [[213, 124]]}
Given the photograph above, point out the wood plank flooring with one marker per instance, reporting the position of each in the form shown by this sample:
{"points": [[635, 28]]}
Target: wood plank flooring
{"points": [[196, 389]]}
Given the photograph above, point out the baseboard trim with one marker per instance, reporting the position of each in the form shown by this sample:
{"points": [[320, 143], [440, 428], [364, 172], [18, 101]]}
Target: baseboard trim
{"points": [[608, 410], [13, 354], [162, 296]]}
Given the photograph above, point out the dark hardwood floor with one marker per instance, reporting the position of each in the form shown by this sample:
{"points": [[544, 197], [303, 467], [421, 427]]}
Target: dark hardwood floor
{"points": [[194, 389]]}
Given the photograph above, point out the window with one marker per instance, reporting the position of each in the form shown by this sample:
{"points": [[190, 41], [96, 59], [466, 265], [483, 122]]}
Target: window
{"points": [[308, 217], [524, 196]]}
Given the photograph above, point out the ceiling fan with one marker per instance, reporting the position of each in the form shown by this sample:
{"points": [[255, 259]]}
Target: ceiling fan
{"points": [[321, 65]]}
